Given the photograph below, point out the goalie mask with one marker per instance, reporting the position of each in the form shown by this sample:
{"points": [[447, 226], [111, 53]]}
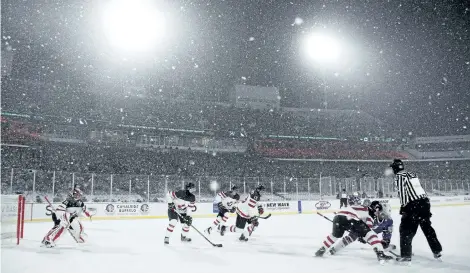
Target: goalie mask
{"points": [[190, 187], [76, 194]]}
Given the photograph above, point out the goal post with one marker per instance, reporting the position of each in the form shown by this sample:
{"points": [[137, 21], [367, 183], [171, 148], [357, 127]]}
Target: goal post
{"points": [[12, 218]]}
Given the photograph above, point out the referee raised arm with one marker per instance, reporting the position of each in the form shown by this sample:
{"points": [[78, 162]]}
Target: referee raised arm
{"points": [[415, 210]]}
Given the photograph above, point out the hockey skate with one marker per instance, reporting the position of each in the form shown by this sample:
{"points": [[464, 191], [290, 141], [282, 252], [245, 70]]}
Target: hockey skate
{"points": [[332, 251], [47, 244], [404, 260], [185, 239], [381, 256], [320, 252], [167, 241], [243, 238], [222, 230], [208, 230], [438, 256]]}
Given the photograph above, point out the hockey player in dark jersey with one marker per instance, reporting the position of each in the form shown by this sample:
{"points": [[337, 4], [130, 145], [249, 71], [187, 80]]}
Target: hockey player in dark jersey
{"points": [[67, 217], [227, 203], [181, 204], [247, 212]]}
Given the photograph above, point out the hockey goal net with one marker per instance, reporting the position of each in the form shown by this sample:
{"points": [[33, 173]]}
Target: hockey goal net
{"points": [[12, 218]]}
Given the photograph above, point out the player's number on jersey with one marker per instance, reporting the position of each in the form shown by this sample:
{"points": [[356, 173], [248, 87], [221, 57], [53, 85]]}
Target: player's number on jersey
{"points": [[229, 204]]}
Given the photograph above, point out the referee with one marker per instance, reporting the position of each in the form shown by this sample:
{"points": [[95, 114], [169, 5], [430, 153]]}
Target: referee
{"points": [[415, 210]]}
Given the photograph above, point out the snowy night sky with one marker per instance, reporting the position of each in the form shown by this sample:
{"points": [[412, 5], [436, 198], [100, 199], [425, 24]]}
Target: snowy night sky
{"points": [[408, 63]]}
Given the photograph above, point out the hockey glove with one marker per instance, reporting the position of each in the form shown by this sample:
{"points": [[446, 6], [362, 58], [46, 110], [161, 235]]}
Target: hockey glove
{"points": [[232, 210], [385, 243], [220, 206], [361, 240], [188, 220], [260, 210], [171, 206]]}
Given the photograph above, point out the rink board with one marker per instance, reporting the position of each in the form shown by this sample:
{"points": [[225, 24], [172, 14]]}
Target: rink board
{"points": [[114, 211]]}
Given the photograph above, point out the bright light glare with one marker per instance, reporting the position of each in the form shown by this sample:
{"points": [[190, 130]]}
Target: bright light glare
{"points": [[323, 48], [133, 25]]}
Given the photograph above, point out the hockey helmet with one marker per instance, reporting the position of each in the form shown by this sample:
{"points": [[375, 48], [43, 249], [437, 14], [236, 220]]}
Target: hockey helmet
{"points": [[190, 187], [397, 166], [76, 194], [366, 202], [260, 188], [234, 189], [354, 200], [375, 207]]}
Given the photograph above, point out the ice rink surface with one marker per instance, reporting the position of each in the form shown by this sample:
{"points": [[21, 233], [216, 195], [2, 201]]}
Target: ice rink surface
{"points": [[280, 244]]}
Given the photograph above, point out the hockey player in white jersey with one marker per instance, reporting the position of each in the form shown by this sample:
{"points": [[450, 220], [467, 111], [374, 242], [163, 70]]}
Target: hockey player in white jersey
{"points": [[383, 224], [67, 217], [181, 204], [247, 212], [355, 219], [227, 202]]}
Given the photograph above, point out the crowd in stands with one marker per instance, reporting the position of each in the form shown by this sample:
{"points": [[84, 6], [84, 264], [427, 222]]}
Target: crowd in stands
{"points": [[129, 160], [328, 149]]}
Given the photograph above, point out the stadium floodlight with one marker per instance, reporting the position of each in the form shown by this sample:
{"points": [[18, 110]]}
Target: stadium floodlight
{"points": [[133, 25], [323, 48]]}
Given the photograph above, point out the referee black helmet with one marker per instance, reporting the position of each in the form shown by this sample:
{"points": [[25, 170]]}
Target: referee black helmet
{"points": [[397, 165]]}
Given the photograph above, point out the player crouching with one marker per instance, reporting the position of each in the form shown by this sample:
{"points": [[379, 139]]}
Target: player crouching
{"points": [[227, 203], [383, 224], [246, 213], [67, 217], [356, 220], [181, 204]]}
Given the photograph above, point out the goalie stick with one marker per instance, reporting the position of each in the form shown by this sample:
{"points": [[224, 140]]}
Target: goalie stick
{"points": [[210, 242], [393, 253]]}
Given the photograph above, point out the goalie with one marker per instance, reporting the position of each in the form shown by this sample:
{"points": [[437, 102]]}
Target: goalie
{"points": [[67, 217]]}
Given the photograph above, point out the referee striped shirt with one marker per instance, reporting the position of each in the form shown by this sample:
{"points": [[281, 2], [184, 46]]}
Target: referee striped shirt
{"points": [[409, 187]]}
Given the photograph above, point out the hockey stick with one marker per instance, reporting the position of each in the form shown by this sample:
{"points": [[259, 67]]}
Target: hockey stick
{"points": [[210, 242], [393, 253], [263, 217]]}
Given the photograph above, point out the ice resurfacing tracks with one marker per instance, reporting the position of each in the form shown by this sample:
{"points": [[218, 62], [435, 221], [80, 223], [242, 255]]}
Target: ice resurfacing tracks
{"points": [[280, 244]]}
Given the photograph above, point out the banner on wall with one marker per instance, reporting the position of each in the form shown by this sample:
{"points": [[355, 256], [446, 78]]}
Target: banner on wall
{"points": [[276, 206], [127, 209]]}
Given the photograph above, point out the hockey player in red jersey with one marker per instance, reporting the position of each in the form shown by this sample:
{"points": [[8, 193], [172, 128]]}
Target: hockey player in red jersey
{"points": [[355, 219], [227, 203], [247, 212], [181, 204], [67, 217]]}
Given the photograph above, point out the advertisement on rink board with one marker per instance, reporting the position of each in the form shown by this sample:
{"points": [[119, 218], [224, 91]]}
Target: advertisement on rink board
{"points": [[127, 209], [466, 199], [322, 205], [275, 206]]}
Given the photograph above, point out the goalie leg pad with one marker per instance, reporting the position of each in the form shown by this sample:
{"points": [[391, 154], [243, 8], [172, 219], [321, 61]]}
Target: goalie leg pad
{"points": [[54, 234], [76, 230]]}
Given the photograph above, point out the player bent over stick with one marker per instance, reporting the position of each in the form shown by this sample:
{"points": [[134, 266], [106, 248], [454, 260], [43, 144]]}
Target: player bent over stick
{"points": [[246, 214], [66, 217], [356, 220], [227, 204], [383, 224], [181, 204]]}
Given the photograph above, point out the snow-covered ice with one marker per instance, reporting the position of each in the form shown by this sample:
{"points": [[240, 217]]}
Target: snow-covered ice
{"points": [[281, 244]]}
